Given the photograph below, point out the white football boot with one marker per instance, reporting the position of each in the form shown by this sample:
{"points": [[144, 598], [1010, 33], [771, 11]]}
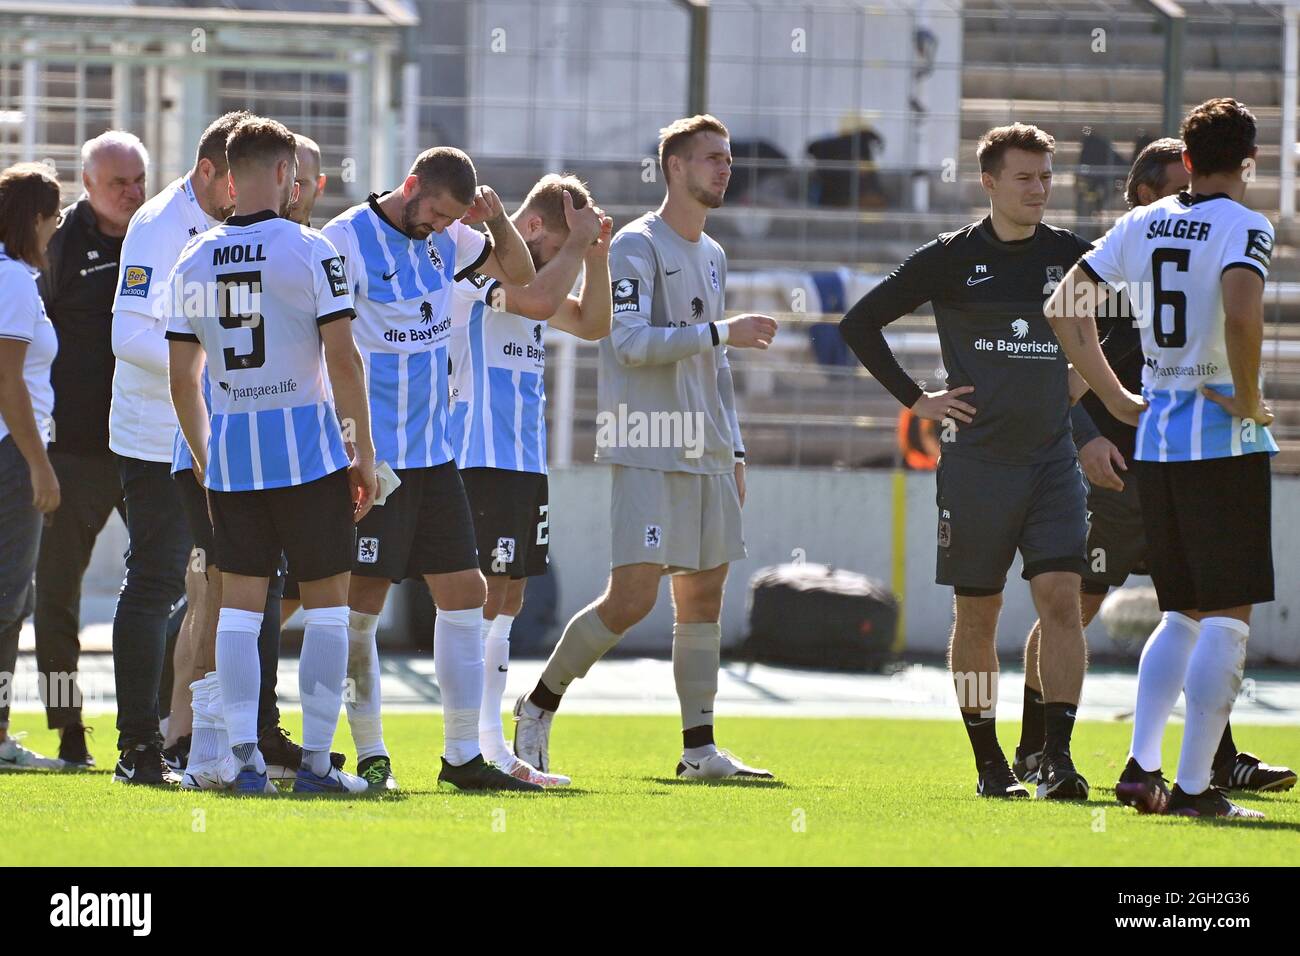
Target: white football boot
{"points": [[216, 774], [719, 765], [533, 737], [335, 781], [14, 756], [523, 770]]}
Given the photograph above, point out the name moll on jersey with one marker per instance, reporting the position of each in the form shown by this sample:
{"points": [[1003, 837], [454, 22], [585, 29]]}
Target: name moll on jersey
{"points": [[237, 254]]}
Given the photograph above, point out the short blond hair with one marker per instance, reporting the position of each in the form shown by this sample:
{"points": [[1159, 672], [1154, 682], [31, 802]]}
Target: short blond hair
{"points": [[993, 145], [675, 138], [546, 199]]}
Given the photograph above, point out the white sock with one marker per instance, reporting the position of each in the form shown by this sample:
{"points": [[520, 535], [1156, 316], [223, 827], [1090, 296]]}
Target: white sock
{"points": [[1161, 673], [1213, 679], [321, 669], [496, 661], [240, 674], [458, 665], [204, 746], [363, 701], [214, 708]]}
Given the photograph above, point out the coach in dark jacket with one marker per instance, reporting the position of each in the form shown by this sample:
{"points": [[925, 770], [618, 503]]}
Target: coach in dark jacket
{"points": [[78, 287]]}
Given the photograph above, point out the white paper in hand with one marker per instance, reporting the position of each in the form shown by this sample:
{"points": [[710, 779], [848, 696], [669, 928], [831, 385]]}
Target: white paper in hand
{"points": [[387, 480]]}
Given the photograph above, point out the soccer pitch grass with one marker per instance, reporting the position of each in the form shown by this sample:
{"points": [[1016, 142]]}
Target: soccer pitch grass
{"points": [[851, 791]]}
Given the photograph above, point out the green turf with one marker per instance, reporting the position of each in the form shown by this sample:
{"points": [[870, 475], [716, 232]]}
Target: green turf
{"points": [[895, 792]]}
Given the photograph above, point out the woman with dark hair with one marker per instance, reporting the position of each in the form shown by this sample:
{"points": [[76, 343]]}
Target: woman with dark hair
{"points": [[29, 213]]}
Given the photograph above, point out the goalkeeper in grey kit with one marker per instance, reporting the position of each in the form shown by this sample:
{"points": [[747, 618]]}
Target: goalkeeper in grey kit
{"points": [[677, 490]]}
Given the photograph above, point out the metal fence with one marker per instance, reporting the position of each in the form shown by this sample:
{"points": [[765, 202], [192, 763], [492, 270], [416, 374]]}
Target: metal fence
{"points": [[853, 126]]}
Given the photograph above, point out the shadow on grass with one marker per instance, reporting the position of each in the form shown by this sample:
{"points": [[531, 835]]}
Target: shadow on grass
{"points": [[747, 782]]}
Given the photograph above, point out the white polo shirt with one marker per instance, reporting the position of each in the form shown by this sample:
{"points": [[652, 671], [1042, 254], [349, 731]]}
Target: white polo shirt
{"points": [[22, 317], [141, 421]]}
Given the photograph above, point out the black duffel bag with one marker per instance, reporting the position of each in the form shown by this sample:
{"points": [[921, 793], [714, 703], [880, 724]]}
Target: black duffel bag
{"points": [[811, 615]]}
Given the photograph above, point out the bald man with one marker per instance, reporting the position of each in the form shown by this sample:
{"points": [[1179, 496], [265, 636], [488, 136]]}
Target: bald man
{"points": [[310, 181]]}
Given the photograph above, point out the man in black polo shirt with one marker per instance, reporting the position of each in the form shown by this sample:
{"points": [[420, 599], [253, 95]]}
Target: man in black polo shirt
{"points": [[1008, 478], [78, 289]]}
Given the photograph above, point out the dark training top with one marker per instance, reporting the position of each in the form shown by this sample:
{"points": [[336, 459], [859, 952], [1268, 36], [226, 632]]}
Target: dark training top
{"points": [[1121, 342], [988, 298], [78, 288]]}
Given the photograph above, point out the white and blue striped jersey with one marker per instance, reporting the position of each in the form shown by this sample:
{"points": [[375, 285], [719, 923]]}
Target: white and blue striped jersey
{"points": [[182, 460], [254, 292], [498, 395], [402, 290], [1169, 257]]}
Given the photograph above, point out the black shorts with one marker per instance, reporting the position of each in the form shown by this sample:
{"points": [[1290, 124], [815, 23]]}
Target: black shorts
{"points": [[511, 520], [194, 502], [311, 524], [1209, 524], [424, 527], [1117, 540], [291, 586], [989, 510]]}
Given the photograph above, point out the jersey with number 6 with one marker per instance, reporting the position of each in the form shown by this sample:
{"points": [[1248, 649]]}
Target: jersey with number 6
{"points": [[1169, 258], [254, 292]]}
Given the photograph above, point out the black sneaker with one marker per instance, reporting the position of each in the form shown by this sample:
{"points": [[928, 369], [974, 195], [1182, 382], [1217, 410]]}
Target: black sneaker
{"points": [[1026, 766], [478, 774], [1246, 772], [377, 771], [997, 780], [283, 757], [1058, 780], [73, 750], [1212, 802], [177, 755], [1146, 791], [144, 764]]}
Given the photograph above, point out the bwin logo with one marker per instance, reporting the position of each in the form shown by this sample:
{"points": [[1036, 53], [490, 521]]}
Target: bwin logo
{"points": [[1020, 328], [75, 909]]}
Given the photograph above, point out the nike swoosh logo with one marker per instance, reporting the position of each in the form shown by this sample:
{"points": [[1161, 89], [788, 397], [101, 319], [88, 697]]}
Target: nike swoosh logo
{"points": [[391, 274], [693, 766], [971, 280], [502, 669], [980, 723], [705, 711], [129, 774], [672, 272]]}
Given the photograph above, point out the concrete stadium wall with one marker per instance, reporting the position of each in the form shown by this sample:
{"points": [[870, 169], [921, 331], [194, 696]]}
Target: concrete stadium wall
{"points": [[841, 518], [844, 519]]}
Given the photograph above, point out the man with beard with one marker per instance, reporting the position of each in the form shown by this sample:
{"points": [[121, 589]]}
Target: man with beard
{"points": [[498, 418], [403, 251]]}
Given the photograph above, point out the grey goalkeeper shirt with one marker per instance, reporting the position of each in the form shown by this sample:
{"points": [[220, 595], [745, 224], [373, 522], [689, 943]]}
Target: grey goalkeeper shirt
{"points": [[665, 394]]}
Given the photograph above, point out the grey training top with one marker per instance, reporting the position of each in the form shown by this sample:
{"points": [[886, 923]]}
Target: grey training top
{"points": [[665, 396]]}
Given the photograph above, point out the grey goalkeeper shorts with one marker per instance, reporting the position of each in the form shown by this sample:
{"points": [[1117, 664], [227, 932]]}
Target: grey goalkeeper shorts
{"points": [[989, 510], [682, 521]]}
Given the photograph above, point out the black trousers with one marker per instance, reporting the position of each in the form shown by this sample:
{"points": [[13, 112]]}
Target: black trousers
{"points": [[91, 489]]}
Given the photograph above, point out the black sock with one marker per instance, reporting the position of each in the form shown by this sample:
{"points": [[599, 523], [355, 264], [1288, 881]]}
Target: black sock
{"points": [[1226, 755], [545, 698], [983, 735], [700, 736], [1059, 725], [1032, 725]]}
